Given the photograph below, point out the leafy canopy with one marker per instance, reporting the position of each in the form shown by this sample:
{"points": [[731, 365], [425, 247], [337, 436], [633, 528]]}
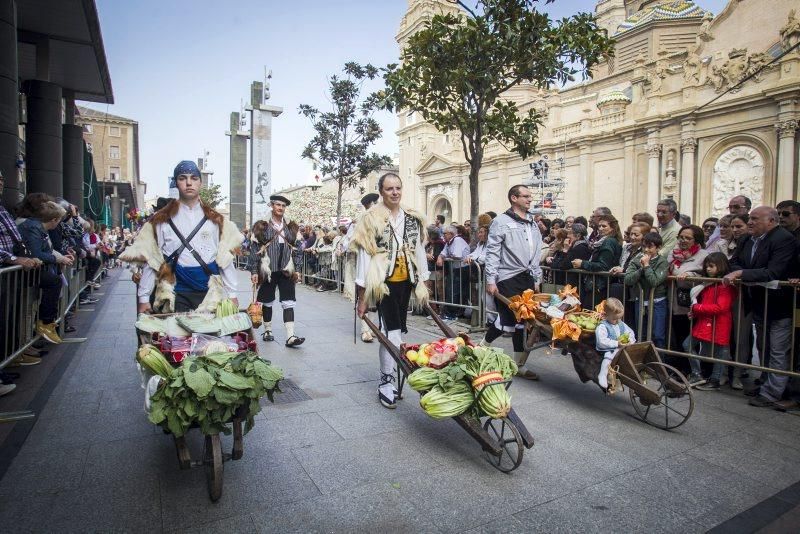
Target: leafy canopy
{"points": [[456, 70], [212, 196], [343, 136]]}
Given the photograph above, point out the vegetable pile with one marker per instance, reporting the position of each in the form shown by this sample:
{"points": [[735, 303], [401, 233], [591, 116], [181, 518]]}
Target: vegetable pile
{"points": [[209, 390], [474, 381]]}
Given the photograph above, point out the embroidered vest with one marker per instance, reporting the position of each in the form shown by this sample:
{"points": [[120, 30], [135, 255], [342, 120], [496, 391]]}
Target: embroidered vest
{"points": [[402, 257]]}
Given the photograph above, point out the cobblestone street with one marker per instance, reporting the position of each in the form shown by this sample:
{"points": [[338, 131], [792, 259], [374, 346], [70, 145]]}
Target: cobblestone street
{"points": [[328, 458]]}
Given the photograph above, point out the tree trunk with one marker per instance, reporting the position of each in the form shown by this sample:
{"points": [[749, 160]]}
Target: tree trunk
{"points": [[339, 203], [474, 200]]}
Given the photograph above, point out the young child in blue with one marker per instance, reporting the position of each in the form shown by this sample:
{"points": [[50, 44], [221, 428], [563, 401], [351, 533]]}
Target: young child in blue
{"points": [[608, 335]]}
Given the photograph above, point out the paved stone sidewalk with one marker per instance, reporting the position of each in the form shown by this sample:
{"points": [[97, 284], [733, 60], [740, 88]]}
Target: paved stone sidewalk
{"points": [[339, 462]]}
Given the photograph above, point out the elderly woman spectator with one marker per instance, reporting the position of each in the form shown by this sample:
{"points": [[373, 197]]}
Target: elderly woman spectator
{"points": [[576, 247], [34, 233], [606, 251], [726, 244], [568, 222], [685, 260], [456, 283]]}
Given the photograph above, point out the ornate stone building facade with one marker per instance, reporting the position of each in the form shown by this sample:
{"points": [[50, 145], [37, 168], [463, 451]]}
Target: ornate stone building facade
{"points": [[683, 110]]}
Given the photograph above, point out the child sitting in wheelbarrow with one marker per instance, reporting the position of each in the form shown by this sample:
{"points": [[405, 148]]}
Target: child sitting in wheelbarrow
{"points": [[611, 334]]}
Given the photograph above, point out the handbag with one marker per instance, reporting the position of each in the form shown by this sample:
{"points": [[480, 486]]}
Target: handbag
{"points": [[254, 310]]}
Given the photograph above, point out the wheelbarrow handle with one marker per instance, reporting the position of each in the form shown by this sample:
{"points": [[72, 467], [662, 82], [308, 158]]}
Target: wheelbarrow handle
{"points": [[445, 328]]}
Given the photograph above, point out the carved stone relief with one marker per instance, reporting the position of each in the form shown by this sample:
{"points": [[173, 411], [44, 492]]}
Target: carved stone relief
{"points": [[448, 190], [738, 171], [727, 73], [790, 33]]}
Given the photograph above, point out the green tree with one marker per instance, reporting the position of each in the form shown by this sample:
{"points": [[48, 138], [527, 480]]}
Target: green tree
{"points": [[343, 136], [456, 71], [211, 196]]}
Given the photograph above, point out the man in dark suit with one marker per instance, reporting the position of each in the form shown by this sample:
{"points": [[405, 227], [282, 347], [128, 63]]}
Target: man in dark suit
{"points": [[770, 255]]}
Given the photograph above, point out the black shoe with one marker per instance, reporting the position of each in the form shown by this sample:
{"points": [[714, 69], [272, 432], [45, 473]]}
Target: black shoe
{"points": [[267, 336], [752, 392], [295, 341], [711, 385], [69, 329], [761, 402]]}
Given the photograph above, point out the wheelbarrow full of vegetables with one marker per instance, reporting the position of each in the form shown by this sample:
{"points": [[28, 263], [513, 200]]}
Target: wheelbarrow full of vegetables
{"points": [[203, 372], [468, 384]]}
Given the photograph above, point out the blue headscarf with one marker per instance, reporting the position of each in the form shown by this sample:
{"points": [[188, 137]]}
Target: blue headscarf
{"points": [[186, 167]]}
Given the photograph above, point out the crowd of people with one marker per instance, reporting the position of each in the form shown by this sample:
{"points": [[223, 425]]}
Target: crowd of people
{"points": [[50, 235]]}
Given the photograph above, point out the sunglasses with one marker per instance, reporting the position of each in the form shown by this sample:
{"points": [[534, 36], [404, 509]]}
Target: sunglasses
{"points": [[709, 226], [785, 213]]}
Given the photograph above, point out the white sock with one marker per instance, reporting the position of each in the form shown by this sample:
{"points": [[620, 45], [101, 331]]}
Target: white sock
{"points": [[388, 365], [364, 328], [603, 377], [289, 329], [268, 326]]}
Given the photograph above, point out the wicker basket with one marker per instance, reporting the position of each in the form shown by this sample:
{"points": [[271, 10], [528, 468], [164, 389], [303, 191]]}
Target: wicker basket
{"points": [[585, 334]]}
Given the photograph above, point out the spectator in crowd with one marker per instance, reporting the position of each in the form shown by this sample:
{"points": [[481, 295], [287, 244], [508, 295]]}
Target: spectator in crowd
{"points": [[433, 248], [646, 273], [580, 219], [633, 237], [726, 244], [740, 205], [92, 244], [684, 221], [712, 314], [709, 225], [34, 233], [568, 222], [739, 230], [667, 225], [491, 214], [484, 219], [606, 251], [463, 233], [440, 225], [593, 223], [557, 224], [685, 260], [789, 213], [13, 252], [556, 249], [513, 251], [770, 254], [476, 261], [456, 278], [643, 217], [576, 247]]}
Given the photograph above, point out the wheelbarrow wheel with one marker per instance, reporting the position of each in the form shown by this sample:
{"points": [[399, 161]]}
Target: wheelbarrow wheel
{"points": [[184, 457], [212, 460], [675, 400], [510, 441]]}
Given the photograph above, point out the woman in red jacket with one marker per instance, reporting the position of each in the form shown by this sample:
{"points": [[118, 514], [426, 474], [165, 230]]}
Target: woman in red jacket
{"points": [[712, 313]]}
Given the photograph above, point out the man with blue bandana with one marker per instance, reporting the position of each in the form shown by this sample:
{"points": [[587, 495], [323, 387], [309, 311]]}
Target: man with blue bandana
{"points": [[187, 250]]}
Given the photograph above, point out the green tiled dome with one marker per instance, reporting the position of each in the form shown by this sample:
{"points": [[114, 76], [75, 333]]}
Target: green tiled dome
{"points": [[677, 9]]}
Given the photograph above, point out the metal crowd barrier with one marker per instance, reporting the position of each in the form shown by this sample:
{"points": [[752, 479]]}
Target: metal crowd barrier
{"points": [[19, 309], [323, 267], [747, 344], [458, 289]]}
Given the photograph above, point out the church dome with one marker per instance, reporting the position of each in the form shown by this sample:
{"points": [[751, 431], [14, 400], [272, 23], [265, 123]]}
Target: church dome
{"points": [[671, 10]]}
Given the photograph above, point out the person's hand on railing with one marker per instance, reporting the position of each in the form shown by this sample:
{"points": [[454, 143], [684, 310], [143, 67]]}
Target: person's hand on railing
{"points": [[576, 264], [468, 260], [27, 263], [730, 278], [681, 276], [439, 262], [615, 270], [65, 260]]}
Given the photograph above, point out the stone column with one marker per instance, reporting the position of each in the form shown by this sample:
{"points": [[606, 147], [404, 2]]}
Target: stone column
{"points": [[688, 148], [785, 182], [73, 164], [653, 174], [43, 143], [238, 172], [630, 191], [9, 104]]}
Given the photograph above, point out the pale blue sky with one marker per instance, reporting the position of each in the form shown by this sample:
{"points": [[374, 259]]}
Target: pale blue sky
{"points": [[179, 67]]}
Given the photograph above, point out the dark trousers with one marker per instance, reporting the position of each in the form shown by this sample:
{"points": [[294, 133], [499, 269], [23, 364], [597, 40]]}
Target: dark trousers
{"points": [[186, 301], [94, 265], [456, 289], [50, 286]]}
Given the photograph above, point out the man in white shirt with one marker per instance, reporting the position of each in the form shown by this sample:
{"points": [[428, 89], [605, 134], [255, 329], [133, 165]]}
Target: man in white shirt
{"points": [[186, 248], [456, 282]]}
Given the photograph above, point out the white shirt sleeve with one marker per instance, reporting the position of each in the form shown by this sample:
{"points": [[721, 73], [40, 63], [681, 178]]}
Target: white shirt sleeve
{"points": [[422, 262], [229, 280], [146, 284], [362, 266]]}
